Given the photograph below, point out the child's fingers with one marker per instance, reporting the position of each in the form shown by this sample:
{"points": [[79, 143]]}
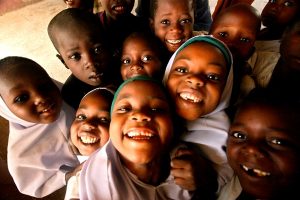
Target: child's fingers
{"points": [[181, 163], [184, 183], [183, 151]]}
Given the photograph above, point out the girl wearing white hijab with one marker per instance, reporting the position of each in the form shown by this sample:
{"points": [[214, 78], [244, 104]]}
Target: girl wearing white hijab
{"points": [[38, 153], [199, 80]]}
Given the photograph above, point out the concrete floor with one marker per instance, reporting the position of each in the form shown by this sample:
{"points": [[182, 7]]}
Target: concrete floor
{"points": [[23, 32]]}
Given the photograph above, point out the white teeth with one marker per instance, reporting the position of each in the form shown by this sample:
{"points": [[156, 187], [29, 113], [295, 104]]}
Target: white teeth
{"points": [[245, 168], [45, 110], [139, 133], [256, 171], [88, 140], [174, 41], [261, 173], [190, 97]]}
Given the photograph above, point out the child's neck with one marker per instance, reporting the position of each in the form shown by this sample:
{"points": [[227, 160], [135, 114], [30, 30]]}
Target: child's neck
{"points": [[270, 34], [152, 173]]}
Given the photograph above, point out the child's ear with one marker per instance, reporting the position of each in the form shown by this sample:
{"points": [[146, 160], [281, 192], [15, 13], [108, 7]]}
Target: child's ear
{"points": [[61, 60]]}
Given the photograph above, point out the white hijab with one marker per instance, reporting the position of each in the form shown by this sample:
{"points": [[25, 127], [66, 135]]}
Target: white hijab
{"points": [[38, 155], [209, 132]]}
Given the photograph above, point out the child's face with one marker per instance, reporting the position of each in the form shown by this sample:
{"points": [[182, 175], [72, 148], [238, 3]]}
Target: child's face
{"points": [[89, 130], [84, 53], [263, 150], [34, 97], [238, 31], [290, 49], [138, 58], [141, 126], [279, 13], [197, 79], [173, 22], [115, 9]]}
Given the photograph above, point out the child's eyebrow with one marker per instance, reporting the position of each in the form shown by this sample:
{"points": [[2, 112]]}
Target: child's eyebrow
{"points": [[215, 62]]}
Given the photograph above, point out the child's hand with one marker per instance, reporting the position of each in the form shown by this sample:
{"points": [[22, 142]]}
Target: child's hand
{"points": [[182, 169], [193, 172]]}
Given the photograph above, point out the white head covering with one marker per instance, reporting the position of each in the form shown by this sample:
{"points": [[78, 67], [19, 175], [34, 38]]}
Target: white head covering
{"points": [[38, 155], [209, 132], [224, 101]]}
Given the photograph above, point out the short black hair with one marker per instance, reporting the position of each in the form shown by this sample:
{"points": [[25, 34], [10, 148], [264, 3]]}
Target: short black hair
{"points": [[17, 66], [74, 17], [275, 99], [154, 3]]}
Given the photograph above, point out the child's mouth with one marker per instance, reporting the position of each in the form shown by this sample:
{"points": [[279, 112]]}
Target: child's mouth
{"points": [[88, 139], [175, 42], [139, 135], [190, 97], [255, 172]]}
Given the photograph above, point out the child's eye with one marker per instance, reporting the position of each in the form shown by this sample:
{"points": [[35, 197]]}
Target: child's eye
{"points": [[165, 22], [223, 34], [75, 56], [21, 99], [146, 58], [185, 21], [213, 77], [276, 141], [123, 109], [238, 135], [80, 117], [181, 70], [125, 61], [288, 4], [98, 50], [244, 40], [104, 120], [159, 109]]}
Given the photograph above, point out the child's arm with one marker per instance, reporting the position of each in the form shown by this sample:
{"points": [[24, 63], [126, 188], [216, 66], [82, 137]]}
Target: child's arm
{"points": [[193, 172]]}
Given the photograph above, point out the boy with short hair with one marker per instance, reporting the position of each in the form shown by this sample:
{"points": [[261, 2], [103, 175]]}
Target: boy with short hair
{"points": [[82, 47]]}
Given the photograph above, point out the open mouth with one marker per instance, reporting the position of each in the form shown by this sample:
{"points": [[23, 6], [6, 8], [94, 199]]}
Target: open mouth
{"points": [[48, 109], [119, 8], [175, 42], [139, 135], [86, 139], [255, 172], [190, 97]]}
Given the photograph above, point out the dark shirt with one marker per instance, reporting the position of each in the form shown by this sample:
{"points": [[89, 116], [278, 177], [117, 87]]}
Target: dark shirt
{"points": [[73, 90]]}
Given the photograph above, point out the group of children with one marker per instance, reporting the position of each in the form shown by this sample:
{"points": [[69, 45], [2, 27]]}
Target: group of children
{"points": [[156, 110]]}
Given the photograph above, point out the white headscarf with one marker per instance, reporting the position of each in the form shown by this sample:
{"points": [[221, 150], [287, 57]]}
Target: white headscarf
{"points": [[38, 155], [209, 132]]}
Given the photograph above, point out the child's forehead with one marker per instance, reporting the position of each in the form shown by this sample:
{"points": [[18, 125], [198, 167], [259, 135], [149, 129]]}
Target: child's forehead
{"points": [[199, 46], [175, 3], [137, 85], [140, 90]]}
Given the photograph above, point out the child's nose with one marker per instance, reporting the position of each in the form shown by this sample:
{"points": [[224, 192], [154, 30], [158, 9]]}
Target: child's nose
{"points": [[89, 62], [196, 81], [39, 100], [176, 27], [136, 66], [88, 126], [253, 150], [140, 116]]}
